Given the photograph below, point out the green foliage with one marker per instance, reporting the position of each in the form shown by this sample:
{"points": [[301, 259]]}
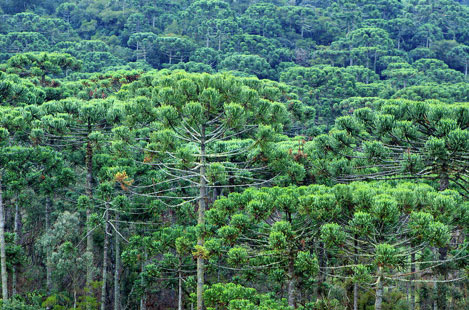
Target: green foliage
{"points": [[17, 305], [229, 135]]}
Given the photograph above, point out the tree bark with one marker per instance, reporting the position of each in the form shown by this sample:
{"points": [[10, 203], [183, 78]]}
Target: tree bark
{"points": [[442, 287], [355, 296], [89, 193], [143, 299], [375, 60], [16, 231], [3, 263], [355, 285], [117, 288], [412, 283], [379, 291], [444, 180], [48, 250], [291, 290], [105, 250], [180, 285], [440, 302], [201, 220]]}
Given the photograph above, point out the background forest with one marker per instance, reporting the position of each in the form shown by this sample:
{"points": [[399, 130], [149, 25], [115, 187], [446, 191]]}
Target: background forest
{"points": [[234, 155]]}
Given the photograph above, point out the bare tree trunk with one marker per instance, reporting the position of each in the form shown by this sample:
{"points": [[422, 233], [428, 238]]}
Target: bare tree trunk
{"points": [[291, 289], [143, 300], [16, 240], [2, 245], [89, 193], [440, 301], [412, 283], [105, 250], [444, 180], [355, 285], [375, 60], [355, 296], [117, 288], [318, 291], [442, 287], [180, 285], [201, 220], [137, 50], [379, 291], [48, 250]]}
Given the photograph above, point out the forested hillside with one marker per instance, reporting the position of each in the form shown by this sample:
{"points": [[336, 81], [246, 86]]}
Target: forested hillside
{"points": [[234, 155]]}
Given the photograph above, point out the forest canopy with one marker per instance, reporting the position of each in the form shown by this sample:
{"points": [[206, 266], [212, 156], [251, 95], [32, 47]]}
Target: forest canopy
{"points": [[234, 154]]}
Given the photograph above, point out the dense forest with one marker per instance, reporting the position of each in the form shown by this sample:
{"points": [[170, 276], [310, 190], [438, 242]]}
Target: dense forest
{"points": [[234, 154]]}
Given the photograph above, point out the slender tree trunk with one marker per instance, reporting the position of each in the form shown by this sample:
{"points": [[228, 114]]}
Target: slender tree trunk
{"points": [[322, 261], [89, 193], [3, 263], [201, 220], [412, 283], [440, 301], [48, 250], [375, 60], [379, 291], [117, 288], [137, 50], [105, 250], [355, 296], [143, 299], [180, 285], [355, 285], [16, 240], [442, 287], [291, 290]]}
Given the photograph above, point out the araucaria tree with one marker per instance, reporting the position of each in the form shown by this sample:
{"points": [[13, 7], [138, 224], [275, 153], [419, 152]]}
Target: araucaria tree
{"points": [[189, 118]]}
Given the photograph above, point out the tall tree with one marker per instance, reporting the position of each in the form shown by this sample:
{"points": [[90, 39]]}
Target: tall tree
{"points": [[78, 124], [189, 116]]}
